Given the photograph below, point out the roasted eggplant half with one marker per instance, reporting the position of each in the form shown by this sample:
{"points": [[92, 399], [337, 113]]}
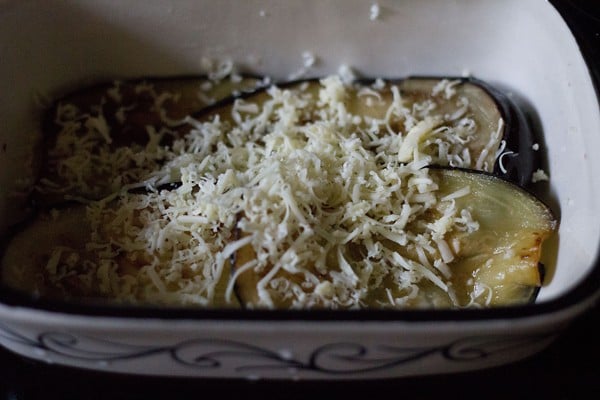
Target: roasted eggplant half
{"points": [[461, 122], [491, 260], [102, 138], [94, 254]]}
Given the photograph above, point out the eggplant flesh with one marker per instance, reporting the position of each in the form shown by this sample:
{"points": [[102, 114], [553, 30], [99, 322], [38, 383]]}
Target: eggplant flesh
{"points": [[496, 265], [59, 255], [89, 125], [29, 251], [499, 264]]}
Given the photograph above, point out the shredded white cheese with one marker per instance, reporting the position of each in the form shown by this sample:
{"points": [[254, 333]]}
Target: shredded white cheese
{"points": [[87, 160], [374, 11], [332, 205], [539, 176]]}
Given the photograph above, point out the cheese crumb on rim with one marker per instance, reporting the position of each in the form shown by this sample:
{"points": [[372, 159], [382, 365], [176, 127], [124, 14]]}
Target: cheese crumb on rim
{"points": [[539, 176]]}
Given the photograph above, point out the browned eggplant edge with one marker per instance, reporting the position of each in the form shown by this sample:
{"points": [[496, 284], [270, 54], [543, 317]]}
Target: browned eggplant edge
{"points": [[525, 189]]}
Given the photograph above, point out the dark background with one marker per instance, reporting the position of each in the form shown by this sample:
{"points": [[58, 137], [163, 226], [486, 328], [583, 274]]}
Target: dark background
{"points": [[568, 369]]}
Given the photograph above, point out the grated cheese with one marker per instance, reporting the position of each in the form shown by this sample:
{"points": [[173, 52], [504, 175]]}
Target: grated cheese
{"points": [[539, 176], [300, 180], [374, 11]]}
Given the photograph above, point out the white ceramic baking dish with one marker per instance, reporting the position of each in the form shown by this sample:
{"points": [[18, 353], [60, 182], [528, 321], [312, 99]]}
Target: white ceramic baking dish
{"points": [[524, 47]]}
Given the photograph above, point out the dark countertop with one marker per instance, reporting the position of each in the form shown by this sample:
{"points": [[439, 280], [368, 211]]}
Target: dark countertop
{"points": [[568, 369]]}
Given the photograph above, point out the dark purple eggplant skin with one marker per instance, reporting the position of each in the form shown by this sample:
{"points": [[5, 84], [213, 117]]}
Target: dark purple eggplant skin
{"points": [[523, 160], [520, 159]]}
